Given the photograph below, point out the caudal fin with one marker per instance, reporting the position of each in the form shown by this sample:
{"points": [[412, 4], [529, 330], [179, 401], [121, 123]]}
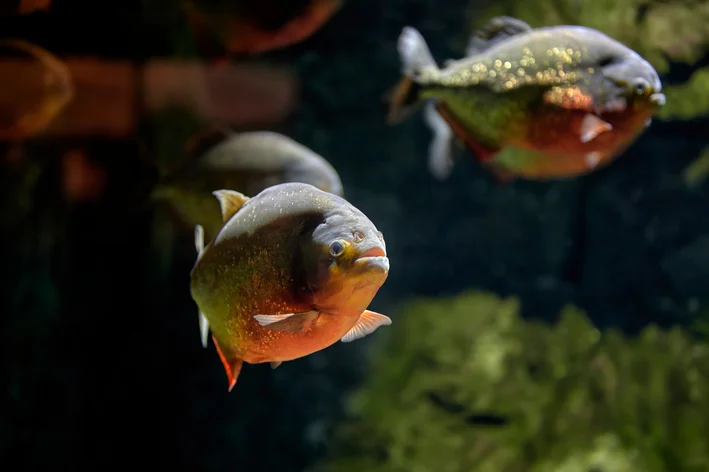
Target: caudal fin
{"points": [[199, 246], [415, 56], [413, 52]]}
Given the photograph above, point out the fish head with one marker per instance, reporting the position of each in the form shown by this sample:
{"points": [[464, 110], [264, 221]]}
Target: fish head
{"points": [[633, 81], [345, 262]]}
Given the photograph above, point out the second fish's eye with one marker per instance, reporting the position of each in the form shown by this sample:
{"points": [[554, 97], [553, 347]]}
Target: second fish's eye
{"points": [[337, 247], [640, 87]]}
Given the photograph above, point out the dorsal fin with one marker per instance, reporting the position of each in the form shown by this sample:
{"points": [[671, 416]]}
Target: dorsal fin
{"points": [[494, 31], [230, 201]]}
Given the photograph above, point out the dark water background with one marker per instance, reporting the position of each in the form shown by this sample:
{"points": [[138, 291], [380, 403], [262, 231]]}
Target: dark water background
{"points": [[101, 358]]}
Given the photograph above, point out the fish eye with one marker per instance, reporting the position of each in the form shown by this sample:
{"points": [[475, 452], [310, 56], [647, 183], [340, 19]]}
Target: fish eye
{"points": [[358, 236], [640, 87], [337, 248]]}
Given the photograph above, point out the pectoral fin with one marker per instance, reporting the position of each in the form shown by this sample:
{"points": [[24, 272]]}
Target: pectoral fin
{"points": [[275, 364], [230, 202], [367, 323], [592, 126], [288, 323]]}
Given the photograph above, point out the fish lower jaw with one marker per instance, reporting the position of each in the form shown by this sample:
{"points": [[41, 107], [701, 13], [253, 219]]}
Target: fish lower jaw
{"points": [[658, 99], [373, 263]]}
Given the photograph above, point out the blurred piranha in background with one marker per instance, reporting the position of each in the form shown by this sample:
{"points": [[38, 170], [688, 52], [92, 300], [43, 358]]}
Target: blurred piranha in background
{"points": [[248, 162], [535, 103], [34, 95], [291, 272], [248, 27]]}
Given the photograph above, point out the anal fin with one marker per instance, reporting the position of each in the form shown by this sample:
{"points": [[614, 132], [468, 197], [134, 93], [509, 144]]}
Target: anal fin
{"points": [[232, 366], [481, 152]]}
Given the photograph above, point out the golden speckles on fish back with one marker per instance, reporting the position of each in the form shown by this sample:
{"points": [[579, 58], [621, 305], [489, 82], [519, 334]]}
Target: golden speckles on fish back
{"points": [[513, 64], [572, 98]]}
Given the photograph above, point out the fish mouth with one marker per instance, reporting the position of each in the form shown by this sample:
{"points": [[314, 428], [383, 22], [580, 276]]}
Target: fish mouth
{"points": [[374, 258], [658, 99], [375, 251]]}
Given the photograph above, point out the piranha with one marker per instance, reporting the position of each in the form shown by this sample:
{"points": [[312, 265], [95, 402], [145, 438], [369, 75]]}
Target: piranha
{"points": [[248, 162], [291, 272], [36, 92], [539, 103]]}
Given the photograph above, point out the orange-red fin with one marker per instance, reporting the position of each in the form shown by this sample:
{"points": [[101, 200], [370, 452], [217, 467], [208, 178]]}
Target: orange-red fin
{"points": [[367, 323], [232, 366], [401, 100], [592, 126], [481, 152]]}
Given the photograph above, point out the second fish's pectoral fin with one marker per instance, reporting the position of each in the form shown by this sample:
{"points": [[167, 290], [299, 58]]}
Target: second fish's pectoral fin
{"points": [[481, 152], [592, 126], [230, 202], [275, 364], [232, 365], [287, 323], [367, 323]]}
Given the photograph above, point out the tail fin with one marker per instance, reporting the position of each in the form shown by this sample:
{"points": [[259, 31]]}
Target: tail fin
{"points": [[415, 57], [413, 52], [199, 245], [402, 100]]}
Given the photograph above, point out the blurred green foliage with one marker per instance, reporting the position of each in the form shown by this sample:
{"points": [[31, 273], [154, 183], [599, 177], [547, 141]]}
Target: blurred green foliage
{"points": [[662, 31], [571, 399]]}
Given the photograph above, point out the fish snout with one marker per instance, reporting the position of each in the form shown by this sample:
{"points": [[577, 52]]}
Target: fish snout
{"points": [[657, 99], [374, 251], [372, 259]]}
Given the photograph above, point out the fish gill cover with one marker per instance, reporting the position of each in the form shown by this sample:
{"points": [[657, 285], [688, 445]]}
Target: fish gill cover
{"points": [[466, 384]]}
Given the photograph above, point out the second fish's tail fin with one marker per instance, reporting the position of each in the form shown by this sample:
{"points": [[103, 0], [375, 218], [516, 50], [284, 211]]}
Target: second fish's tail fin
{"points": [[415, 57]]}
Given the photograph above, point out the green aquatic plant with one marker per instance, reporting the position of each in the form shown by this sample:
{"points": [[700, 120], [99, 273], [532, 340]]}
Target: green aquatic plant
{"points": [[466, 384]]}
